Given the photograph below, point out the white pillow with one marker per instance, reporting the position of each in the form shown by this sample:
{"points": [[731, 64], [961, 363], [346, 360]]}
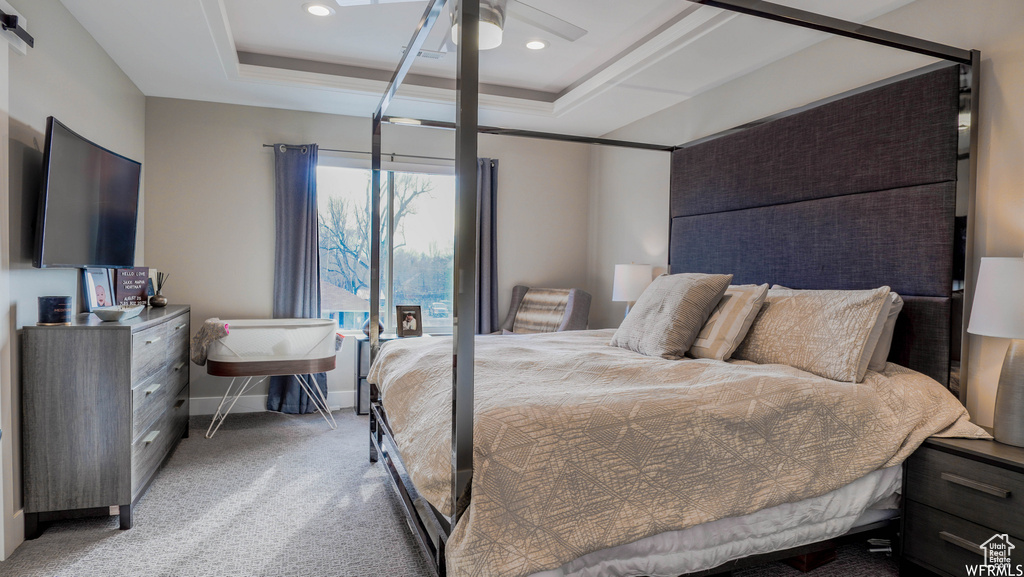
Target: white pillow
{"points": [[881, 354]]}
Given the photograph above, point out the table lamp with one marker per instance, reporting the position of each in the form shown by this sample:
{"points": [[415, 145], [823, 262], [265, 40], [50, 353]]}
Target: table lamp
{"points": [[998, 311], [630, 282]]}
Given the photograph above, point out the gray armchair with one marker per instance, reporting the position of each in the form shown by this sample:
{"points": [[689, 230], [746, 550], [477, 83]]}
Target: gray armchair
{"points": [[536, 310]]}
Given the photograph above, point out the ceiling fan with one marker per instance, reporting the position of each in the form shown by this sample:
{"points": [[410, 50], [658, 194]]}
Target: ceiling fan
{"points": [[492, 20]]}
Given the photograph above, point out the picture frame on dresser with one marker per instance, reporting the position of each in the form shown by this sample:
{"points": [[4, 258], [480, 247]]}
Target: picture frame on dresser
{"points": [[97, 288]]}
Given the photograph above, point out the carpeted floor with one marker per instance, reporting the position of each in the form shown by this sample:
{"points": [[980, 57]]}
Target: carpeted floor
{"points": [[274, 496]]}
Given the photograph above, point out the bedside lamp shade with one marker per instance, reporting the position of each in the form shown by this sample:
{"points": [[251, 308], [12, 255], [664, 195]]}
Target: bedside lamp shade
{"points": [[998, 311], [999, 299], [630, 282]]}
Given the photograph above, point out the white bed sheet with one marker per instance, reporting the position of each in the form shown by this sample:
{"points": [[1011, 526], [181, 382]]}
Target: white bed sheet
{"points": [[711, 544]]}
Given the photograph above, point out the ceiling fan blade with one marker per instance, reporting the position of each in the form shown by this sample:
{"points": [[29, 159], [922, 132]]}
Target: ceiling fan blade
{"points": [[545, 21]]}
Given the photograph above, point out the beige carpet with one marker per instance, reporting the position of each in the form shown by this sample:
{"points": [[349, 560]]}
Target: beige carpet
{"points": [[274, 495]]}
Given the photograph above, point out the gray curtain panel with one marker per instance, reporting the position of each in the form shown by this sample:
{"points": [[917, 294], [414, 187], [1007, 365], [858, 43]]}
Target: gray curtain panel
{"points": [[487, 251], [296, 261]]}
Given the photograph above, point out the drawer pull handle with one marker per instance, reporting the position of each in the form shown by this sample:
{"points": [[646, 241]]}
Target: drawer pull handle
{"points": [[178, 366], [971, 484], [153, 388], [960, 542], [181, 326], [179, 404], [150, 437], [153, 340]]}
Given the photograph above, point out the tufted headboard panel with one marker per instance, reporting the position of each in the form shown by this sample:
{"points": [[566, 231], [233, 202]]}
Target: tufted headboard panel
{"points": [[855, 193]]}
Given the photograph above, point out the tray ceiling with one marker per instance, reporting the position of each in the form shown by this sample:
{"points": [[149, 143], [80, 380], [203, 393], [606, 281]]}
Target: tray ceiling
{"points": [[635, 59]]}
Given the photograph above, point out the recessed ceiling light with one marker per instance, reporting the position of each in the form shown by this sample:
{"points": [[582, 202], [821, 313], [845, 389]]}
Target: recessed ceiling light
{"points": [[318, 9], [536, 45]]}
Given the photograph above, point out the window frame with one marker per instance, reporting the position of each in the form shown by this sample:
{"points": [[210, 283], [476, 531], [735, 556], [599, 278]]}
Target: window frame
{"points": [[389, 168]]}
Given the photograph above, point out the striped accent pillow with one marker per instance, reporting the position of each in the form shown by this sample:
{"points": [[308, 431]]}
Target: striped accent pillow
{"points": [[729, 322], [670, 313], [541, 311]]}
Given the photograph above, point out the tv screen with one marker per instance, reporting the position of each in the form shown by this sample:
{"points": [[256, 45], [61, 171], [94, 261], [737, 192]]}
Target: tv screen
{"points": [[89, 203]]}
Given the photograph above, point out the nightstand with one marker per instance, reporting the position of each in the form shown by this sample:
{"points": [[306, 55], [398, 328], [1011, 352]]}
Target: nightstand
{"points": [[362, 405], [958, 494]]}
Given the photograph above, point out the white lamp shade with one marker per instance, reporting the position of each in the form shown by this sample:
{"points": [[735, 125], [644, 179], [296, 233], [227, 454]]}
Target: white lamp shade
{"points": [[630, 281], [998, 309]]}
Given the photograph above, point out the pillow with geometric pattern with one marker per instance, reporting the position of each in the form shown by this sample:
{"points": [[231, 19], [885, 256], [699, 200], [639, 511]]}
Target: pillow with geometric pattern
{"points": [[825, 332]]}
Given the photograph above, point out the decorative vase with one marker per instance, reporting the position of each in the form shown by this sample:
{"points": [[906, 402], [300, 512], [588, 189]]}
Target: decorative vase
{"points": [[158, 300], [366, 327]]}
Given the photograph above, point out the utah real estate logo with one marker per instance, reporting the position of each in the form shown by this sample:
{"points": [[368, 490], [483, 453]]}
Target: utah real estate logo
{"points": [[997, 560]]}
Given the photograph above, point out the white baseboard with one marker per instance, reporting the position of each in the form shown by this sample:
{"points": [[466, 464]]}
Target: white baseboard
{"points": [[258, 403]]}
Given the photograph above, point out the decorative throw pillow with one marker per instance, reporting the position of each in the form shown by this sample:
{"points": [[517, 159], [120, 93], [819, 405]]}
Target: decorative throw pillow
{"points": [[823, 332], [670, 313], [881, 354], [886, 322], [729, 322]]}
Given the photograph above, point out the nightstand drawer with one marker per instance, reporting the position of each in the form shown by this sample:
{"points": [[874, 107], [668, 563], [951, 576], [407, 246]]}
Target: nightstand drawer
{"points": [[945, 542], [966, 488]]}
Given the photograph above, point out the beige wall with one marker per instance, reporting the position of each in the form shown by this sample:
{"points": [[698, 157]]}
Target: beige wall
{"points": [[69, 76], [210, 207], [996, 27]]}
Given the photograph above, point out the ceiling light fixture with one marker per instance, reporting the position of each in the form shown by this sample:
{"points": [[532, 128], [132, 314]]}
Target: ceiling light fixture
{"points": [[492, 23], [536, 45], [318, 9]]}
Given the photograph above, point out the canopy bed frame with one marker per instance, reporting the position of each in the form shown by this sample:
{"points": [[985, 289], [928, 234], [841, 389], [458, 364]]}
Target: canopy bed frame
{"points": [[929, 334]]}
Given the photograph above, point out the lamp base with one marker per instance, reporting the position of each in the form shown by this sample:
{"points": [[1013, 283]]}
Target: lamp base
{"points": [[1008, 420]]}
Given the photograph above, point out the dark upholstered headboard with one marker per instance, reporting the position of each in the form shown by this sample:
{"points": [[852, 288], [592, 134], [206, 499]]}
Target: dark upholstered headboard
{"points": [[853, 194]]}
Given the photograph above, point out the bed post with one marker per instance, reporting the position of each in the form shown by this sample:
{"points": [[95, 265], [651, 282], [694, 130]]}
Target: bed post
{"points": [[374, 262], [467, 94]]}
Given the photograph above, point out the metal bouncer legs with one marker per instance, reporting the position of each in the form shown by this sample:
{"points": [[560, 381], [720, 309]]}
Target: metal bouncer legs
{"points": [[245, 384]]}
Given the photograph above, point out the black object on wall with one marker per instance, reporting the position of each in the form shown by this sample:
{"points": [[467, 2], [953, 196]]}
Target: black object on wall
{"points": [[11, 22]]}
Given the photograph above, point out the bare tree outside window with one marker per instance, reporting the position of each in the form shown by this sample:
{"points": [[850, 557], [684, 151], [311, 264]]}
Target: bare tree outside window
{"points": [[422, 251]]}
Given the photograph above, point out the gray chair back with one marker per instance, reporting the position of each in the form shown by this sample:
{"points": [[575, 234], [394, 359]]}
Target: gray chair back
{"points": [[534, 310]]}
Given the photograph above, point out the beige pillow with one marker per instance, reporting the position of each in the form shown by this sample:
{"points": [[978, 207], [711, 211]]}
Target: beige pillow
{"points": [[668, 315], [729, 322], [886, 321], [824, 332], [881, 354]]}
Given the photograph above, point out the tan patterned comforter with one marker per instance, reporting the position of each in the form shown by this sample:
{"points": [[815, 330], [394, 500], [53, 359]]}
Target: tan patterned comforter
{"points": [[581, 446]]}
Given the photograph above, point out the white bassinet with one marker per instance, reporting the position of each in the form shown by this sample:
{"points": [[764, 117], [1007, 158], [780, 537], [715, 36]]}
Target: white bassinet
{"points": [[260, 348]]}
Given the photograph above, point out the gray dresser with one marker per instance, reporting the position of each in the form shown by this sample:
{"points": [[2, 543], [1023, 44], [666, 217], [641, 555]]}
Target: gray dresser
{"points": [[103, 407]]}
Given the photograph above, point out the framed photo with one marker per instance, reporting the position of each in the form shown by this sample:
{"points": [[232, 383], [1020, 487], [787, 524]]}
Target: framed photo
{"points": [[98, 289], [409, 320]]}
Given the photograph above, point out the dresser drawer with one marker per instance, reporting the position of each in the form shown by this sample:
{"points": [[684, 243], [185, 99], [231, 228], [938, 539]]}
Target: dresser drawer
{"points": [[149, 450], [155, 395], [149, 352], [178, 334], [966, 488], [943, 541]]}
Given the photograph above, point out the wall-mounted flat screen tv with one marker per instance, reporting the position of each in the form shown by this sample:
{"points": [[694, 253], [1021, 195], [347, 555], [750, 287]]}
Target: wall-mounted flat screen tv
{"points": [[89, 203]]}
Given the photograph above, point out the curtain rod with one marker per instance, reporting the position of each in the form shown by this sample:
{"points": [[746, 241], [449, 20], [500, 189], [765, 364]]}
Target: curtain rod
{"points": [[392, 155]]}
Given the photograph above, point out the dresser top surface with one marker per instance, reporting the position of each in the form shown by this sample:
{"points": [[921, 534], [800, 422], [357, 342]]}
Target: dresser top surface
{"points": [[147, 318]]}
